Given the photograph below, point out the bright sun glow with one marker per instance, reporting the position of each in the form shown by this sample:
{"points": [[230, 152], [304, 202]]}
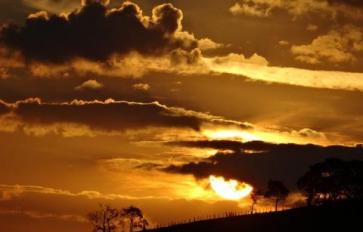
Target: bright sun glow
{"points": [[230, 134], [231, 189]]}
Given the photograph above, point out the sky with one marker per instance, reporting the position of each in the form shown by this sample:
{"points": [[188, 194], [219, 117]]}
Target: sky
{"points": [[140, 103]]}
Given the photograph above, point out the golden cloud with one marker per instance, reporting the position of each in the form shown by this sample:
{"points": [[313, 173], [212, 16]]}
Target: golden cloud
{"points": [[141, 86], [297, 8], [255, 68], [90, 84], [338, 46]]}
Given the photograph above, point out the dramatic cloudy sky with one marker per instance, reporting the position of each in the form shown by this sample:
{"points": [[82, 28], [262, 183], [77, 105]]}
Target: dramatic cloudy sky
{"points": [[140, 102]]}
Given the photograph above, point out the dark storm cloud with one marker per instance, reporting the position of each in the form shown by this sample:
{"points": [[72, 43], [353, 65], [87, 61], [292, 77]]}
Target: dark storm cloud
{"points": [[286, 162], [95, 32], [109, 115]]}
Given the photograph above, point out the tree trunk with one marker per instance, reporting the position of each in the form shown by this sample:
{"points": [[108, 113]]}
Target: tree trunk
{"points": [[309, 200], [104, 222], [276, 202], [131, 225], [108, 226]]}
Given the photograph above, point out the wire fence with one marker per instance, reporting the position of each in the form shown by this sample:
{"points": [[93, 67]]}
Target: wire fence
{"points": [[220, 216]]}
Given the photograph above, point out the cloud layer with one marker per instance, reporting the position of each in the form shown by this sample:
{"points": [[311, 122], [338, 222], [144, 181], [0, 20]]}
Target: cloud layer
{"points": [[296, 76], [297, 8], [338, 46], [257, 162], [109, 115]]}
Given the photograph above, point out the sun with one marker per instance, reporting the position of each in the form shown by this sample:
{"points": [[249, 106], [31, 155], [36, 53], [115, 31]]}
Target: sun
{"points": [[230, 189]]}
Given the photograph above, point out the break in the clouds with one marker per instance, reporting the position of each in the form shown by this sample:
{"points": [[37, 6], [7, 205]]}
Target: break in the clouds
{"points": [[295, 76], [54, 6], [109, 115], [257, 162]]}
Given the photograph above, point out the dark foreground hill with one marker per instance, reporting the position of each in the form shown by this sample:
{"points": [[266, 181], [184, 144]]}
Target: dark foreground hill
{"points": [[343, 217]]}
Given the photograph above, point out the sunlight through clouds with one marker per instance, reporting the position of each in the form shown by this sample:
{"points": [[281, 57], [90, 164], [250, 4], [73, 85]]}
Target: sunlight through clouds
{"points": [[230, 189], [183, 109], [290, 76]]}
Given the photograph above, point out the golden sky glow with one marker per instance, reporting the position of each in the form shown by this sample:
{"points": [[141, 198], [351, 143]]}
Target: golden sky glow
{"points": [[290, 75], [230, 134], [156, 103]]}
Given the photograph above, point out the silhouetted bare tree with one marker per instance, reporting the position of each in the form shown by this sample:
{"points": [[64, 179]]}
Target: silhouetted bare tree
{"points": [[277, 190], [332, 180], [105, 219]]}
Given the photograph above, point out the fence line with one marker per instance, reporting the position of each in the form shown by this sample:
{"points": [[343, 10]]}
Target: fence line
{"points": [[219, 216]]}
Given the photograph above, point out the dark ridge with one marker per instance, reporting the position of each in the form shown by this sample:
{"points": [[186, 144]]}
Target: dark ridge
{"points": [[343, 216]]}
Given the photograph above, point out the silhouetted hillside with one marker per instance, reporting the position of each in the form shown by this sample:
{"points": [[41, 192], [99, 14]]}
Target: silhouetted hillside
{"points": [[342, 217]]}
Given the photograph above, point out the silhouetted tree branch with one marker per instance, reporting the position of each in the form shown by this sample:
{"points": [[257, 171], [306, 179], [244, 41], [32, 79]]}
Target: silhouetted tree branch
{"points": [[105, 219], [108, 219], [135, 217]]}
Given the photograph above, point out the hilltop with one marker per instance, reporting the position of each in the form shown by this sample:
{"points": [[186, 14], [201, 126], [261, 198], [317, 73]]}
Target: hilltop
{"points": [[343, 216]]}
